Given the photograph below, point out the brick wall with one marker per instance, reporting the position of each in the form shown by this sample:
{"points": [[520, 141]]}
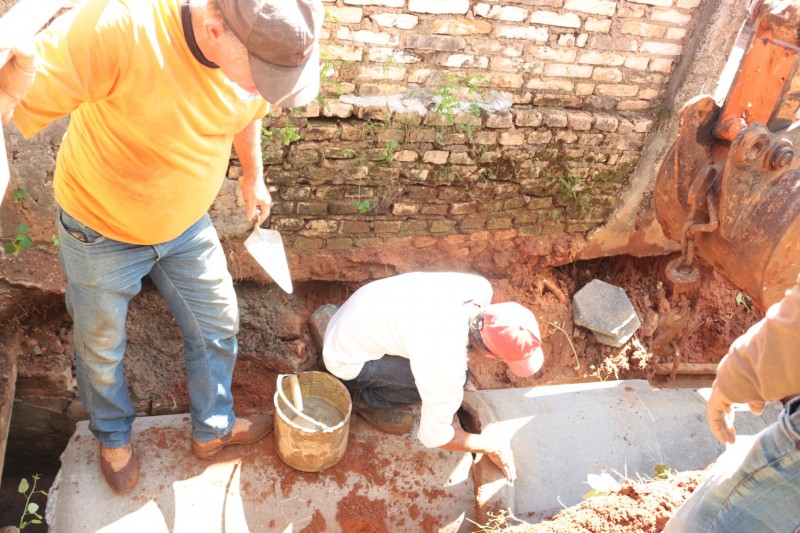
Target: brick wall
{"points": [[451, 116]]}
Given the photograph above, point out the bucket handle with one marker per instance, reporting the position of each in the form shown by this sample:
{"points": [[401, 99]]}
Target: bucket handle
{"points": [[302, 415]]}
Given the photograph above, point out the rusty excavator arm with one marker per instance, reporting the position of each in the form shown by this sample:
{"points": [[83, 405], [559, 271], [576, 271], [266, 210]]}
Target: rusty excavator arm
{"points": [[729, 187]]}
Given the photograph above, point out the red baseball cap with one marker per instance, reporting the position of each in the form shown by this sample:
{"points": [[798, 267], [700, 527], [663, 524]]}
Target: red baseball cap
{"points": [[511, 332]]}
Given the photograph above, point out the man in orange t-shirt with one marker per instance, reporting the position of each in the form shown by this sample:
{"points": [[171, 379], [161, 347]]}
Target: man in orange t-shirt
{"points": [[156, 91]]}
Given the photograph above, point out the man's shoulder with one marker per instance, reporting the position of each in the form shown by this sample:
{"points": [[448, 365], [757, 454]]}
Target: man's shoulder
{"points": [[123, 14], [424, 288], [433, 280]]}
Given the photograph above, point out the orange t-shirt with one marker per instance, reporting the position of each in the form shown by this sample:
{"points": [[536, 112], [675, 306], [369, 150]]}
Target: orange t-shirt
{"points": [[151, 128]]}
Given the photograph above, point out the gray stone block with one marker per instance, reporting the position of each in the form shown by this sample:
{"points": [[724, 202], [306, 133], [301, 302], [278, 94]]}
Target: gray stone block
{"points": [[606, 311]]}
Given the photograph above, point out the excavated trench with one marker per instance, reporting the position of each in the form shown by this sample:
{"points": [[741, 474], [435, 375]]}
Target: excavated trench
{"points": [[275, 337]]}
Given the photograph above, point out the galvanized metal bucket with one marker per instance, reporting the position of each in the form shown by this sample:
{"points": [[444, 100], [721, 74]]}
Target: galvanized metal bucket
{"points": [[314, 437]]}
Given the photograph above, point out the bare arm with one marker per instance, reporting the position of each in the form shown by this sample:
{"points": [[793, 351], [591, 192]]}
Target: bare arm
{"points": [[16, 77], [761, 366], [497, 449], [764, 363], [248, 147]]}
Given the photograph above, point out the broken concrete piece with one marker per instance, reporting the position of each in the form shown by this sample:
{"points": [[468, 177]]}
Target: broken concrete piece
{"points": [[606, 311], [318, 322]]}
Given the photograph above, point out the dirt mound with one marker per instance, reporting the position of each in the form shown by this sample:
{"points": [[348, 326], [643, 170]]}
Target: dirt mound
{"points": [[636, 507]]}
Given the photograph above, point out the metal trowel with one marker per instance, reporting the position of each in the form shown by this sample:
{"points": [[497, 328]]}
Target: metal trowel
{"points": [[266, 246]]}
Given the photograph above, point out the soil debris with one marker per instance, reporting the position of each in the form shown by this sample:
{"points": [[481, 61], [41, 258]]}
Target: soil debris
{"points": [[636, 507]]}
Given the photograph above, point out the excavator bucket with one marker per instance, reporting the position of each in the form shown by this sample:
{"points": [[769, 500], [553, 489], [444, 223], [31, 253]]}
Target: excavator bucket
{"points": [[729, 187]]}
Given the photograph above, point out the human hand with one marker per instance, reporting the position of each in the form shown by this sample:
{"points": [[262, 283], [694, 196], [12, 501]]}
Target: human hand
{"points": [[492, 443], [720, 415], [757, 408], [258, 203], [503, 457], [16, 76]]}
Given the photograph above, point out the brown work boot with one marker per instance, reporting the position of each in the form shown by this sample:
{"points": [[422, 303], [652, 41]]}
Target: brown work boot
{"points": [[245, 431], [394, 421], [120, 467]]}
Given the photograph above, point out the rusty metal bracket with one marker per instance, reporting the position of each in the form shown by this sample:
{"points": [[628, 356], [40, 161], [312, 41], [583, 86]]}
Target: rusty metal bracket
{"points": [[684, 272], [665, 346]]}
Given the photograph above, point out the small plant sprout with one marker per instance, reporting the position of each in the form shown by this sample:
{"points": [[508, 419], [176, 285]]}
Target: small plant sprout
{"points": [[569, 340], [327, 76], [55, 241], [601, 484], [663, 471], [287, 135], [362, 206], [744, 300], [31, 508], [391, 146], [21, 243], [449, 99], [18, 195], [572, 183]]}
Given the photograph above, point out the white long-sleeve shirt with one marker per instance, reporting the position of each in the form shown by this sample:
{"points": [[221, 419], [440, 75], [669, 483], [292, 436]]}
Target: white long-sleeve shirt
{"points": [[422, 316]]}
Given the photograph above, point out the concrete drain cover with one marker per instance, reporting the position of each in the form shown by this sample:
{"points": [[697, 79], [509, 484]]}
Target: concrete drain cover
{"points": [[606, 311]]}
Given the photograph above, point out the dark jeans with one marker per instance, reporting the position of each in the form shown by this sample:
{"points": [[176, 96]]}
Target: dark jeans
{"points": [[387, 383]]}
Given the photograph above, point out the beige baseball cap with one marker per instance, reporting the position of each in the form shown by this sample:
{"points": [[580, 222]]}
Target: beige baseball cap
{"points": [[282, 40]]}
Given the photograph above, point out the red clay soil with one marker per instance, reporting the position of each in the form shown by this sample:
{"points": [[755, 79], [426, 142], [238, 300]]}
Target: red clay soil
{"points": [[359, 514], [716, 320], [317, 524], [636, 507]]}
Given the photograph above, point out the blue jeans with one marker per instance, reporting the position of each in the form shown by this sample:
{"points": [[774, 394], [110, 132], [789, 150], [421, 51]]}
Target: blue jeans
{"points": [[191, 273], [756, 489], [387, 383]]}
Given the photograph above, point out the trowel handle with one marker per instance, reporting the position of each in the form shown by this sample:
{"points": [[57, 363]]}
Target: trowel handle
{"points": [[297, 395]]}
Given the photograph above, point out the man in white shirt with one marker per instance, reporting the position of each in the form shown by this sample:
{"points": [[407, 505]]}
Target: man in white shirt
{"points": [[403, 340]]}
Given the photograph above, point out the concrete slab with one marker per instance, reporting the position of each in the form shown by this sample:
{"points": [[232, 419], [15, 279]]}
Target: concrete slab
{"points": [[561, 434], [384, 483]]}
